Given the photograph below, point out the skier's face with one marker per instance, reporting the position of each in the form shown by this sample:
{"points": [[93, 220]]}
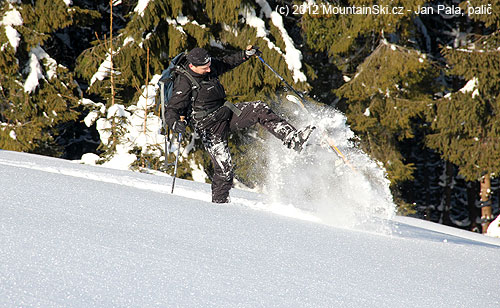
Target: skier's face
{"points": [[202, 69]]}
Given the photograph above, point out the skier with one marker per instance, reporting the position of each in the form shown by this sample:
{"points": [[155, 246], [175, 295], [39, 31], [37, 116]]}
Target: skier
{"points": [[213, 118]]}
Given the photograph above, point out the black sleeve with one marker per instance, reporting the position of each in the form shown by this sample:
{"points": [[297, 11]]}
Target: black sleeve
{"points": [[180, 101], [228, 62]]}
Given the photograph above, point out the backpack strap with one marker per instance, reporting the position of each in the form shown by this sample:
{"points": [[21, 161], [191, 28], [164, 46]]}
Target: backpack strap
{"points": [[195, 86]]}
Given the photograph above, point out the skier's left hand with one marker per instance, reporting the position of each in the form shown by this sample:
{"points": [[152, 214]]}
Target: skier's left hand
{"points": [[252, 51]]}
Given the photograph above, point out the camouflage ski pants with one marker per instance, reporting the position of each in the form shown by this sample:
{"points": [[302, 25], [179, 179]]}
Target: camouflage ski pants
{"points": [[215, 140]]}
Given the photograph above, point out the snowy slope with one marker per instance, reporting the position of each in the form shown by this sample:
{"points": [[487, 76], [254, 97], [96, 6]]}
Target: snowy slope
{"points": [[85, 236]]}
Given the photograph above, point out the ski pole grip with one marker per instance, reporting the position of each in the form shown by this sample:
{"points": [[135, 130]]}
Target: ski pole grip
{"points": [[182, 118]]}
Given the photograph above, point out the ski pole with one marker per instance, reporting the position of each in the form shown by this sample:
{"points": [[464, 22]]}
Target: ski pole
{"points": [[301, 104], [179, 138], [286, 83], [167, 149]]}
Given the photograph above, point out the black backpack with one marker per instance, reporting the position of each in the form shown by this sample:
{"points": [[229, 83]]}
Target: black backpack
{"points": [[176, 67]]}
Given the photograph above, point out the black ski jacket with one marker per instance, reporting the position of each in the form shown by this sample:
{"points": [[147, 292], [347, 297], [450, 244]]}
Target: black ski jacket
{"points": [[211, 94]]}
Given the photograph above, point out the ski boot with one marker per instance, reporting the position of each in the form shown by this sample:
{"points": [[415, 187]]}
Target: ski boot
{"points": [[296, 139]]}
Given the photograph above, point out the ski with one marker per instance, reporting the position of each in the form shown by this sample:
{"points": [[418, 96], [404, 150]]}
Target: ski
{"points": [[300, 102]]}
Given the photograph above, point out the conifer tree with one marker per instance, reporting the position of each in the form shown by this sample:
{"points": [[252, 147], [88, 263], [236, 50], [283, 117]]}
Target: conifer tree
{"points": [[466, 122], [107, 81], [386, 95], [37, 94]]}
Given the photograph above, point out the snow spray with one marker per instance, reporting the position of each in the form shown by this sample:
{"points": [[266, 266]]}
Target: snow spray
{"points": [[317, 180]]}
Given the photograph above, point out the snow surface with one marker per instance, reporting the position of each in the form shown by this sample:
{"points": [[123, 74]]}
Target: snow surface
{"points": [[37, 54], [87, 236], [103, 71], [13, 135], [141, 6], [10, 19], [293, 56], [35, 74], [471, 86], [494, 228]]}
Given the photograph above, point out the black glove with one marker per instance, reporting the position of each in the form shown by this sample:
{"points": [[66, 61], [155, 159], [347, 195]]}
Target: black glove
{"points": [[252, 50], [179, 126]]}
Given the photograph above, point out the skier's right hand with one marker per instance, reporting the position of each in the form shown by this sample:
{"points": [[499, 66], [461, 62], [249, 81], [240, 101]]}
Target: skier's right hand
{"points": [[179, 126]]}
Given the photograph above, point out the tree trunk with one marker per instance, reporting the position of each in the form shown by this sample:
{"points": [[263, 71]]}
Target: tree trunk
{"points": [[111, 68], [486, 211], [112, 78], [448, 172], [472, 192]]}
